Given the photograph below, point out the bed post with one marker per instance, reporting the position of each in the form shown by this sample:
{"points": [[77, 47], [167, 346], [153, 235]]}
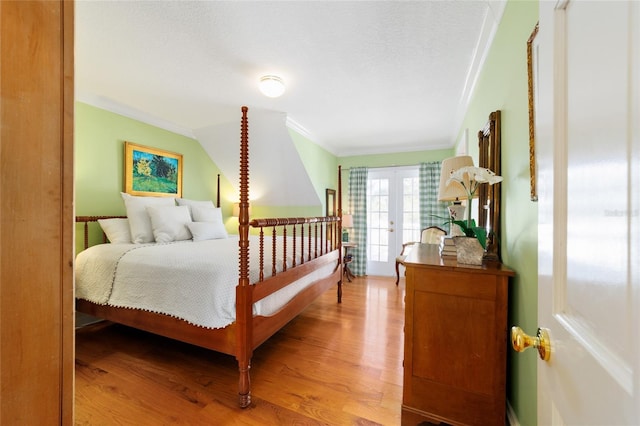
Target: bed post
{"points": [[244, 336], [218, 192], [340, 233]]}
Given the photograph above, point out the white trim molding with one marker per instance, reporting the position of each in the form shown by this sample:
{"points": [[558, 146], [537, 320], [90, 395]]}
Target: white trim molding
{"points": [[126, 111]]}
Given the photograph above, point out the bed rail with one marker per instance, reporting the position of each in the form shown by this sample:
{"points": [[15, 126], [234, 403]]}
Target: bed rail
{"points": [[320, 234]]}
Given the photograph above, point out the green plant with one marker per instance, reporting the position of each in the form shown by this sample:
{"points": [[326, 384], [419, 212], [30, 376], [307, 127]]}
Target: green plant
{"points": [[470, 178], [471, 230]]}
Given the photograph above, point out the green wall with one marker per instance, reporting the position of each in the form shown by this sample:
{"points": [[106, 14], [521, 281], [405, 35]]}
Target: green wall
{"points": [[99, 161], [321, 166], [99, 164], [502, 85]]}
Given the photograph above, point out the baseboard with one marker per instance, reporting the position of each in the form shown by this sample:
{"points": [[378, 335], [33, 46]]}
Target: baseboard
{"points": [[512, 419]]}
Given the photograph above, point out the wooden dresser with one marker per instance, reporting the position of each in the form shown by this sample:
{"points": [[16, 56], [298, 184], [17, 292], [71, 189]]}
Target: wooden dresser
{"points": [[455, 343]]}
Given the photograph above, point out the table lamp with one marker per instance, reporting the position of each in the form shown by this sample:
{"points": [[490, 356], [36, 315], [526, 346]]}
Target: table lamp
{"points": [[347, 222], [453, 191]]}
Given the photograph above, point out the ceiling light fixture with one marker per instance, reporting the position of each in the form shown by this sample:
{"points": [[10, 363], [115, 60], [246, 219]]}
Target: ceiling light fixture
{"points": [[271, 86]]}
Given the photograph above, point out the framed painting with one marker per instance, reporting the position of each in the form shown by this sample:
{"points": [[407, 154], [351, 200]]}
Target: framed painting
{"points": [[532, 87], [151, 171], [331, 202]]}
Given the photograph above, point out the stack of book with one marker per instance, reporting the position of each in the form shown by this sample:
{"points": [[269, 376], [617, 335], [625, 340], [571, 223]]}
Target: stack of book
{"points": [[448, 247]]}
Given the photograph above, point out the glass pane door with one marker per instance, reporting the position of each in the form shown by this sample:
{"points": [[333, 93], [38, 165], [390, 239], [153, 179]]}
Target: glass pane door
{"points": [[393, 216]]}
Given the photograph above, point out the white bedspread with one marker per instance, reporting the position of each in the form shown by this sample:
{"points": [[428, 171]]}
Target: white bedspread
{"points": [[193, 281]]}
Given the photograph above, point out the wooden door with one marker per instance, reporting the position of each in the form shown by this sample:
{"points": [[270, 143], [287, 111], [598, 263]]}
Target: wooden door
{"points": [[36, 212], [588, 136]]}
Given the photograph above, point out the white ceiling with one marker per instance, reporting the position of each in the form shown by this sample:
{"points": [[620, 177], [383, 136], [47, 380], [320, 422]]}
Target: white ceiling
{"points": [[362, 76]]}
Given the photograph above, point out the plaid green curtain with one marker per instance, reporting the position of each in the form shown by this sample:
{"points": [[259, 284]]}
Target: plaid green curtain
{"points": [[358, 208], [430, 207]]}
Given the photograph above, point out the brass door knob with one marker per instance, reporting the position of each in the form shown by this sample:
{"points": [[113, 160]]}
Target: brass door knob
{"points": [[520, 341]]}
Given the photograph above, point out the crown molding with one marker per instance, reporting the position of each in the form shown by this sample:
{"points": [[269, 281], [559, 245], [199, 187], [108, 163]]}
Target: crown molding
{"points": [[126, 111], [495, 11]]}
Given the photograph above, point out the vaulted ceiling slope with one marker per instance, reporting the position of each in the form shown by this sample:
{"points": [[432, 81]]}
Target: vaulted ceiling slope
{"points": [[277, 174], [362, 76]]}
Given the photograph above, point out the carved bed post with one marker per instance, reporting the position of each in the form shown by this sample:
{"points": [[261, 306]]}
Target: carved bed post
{"points": [[339, 236], [244, 327], [218, 192]]}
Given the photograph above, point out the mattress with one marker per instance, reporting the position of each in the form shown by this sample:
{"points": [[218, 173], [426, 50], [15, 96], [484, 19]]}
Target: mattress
{"points": [[193, 281]]}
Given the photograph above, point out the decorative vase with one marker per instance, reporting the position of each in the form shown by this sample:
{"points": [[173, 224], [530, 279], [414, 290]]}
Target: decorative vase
{"points": [[456, 231], [469, 250]]}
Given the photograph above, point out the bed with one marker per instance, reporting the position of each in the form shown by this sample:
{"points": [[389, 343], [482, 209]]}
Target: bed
{"points": [[298, 257]]}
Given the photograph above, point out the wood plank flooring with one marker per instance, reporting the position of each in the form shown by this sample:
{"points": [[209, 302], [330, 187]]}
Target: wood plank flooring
{"points": [[332, 365]]}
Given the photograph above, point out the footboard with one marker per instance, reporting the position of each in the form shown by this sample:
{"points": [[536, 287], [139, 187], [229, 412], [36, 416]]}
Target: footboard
{"points": [[313, 244], [306, 245], [316, 236]]}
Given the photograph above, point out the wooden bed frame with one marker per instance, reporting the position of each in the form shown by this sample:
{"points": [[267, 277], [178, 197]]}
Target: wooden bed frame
{"points": [[247, 332]]}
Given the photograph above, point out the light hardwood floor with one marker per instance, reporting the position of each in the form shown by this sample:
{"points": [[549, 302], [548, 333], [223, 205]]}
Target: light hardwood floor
{"points": [[332, 365]]}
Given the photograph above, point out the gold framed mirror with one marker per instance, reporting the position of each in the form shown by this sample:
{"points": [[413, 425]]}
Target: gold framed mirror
{"points": [[330, 202], [489, 195]]}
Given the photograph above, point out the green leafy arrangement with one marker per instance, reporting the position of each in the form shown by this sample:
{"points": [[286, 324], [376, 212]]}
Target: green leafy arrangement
{"points": [[471, 230], [470, 178]]}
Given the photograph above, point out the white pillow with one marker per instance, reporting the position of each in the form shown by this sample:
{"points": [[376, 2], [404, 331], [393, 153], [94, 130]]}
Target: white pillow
{"points": [[187, 202], [195, 203], [139, 221], [169, 223], [207, 230], [116, 230], [206, 214]]}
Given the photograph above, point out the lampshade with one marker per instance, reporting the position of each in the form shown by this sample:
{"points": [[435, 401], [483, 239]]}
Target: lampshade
{"points": [[347, 221], [271, 86], [454, 191]]}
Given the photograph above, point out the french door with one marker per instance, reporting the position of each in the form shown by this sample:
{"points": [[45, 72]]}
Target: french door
{"points": [[393, 216]]}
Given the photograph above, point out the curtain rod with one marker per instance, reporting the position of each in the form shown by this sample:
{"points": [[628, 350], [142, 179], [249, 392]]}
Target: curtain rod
{"points": [[388, 167]]}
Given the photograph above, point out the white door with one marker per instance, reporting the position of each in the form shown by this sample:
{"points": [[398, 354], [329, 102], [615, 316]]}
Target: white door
{"points": [[588, 152], [393, 216]]}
